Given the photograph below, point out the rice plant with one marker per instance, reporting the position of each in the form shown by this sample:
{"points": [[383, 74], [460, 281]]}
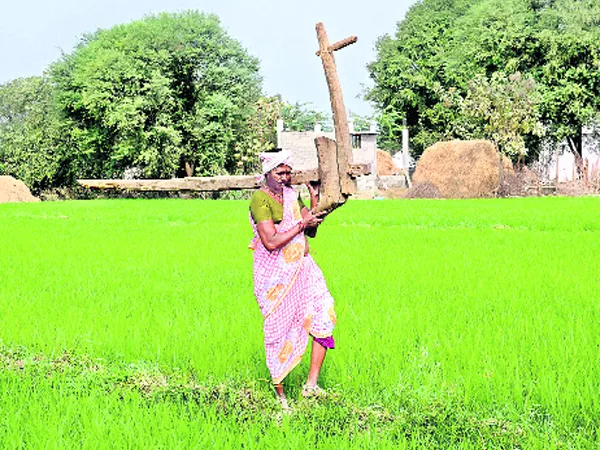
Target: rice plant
{"points": [[461, 324]]}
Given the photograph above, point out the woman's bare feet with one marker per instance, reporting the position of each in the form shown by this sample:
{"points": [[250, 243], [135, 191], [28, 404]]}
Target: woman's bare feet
{"points": [[284, 403], [309, 390], [282, 398]]}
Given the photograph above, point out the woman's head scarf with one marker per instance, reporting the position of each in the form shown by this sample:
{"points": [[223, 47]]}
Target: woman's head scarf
{"points": [[270, 160]]}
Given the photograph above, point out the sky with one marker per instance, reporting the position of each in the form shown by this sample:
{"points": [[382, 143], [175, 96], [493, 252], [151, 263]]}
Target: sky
{"points": [[34, 33]]}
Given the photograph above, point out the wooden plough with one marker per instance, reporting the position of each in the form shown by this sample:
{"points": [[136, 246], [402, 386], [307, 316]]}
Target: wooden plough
{"points": [[336, 174]]}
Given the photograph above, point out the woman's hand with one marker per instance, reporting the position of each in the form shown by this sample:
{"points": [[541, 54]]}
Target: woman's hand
{"points": [[312, 190], [311, 219], [308, 224], [314, 194]]}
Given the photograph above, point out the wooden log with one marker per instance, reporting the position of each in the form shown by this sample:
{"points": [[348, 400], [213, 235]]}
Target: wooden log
{"points": [[208, 184], [330, 191], [220, 183], [355, 170], [340, 120], [340, 44], [343, 43]]}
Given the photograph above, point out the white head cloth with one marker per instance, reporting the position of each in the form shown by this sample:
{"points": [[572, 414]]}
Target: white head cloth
{"points": [[270, 160]]}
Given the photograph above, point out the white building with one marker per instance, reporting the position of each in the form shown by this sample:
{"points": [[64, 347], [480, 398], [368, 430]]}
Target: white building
{"points": [[557, 163], [304, 152], [302, 146]]}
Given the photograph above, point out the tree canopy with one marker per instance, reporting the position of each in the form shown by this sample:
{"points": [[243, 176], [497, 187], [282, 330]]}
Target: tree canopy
{"points": [[169, 95], [443, 45], [31, 134]]}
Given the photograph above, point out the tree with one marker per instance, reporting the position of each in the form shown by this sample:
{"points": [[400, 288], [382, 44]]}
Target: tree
{"points": [[31, 146], [169, 94], [361, 122], [443, 44], [553, 41], [500, 109], [302, 117], [261, 134], [408, 74]]}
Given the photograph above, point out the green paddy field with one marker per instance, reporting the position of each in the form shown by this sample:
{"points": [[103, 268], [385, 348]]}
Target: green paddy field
{"points": [[461, 324]]}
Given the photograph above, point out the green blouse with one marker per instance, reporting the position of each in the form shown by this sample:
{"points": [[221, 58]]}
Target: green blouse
{"points": [[264, 207]]}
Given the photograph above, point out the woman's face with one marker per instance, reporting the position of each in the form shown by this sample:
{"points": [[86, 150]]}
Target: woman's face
{"points": [[280, 176]]}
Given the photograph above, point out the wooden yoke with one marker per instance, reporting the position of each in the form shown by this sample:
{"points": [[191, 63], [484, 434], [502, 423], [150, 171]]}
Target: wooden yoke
{"points": [[334, 156]]}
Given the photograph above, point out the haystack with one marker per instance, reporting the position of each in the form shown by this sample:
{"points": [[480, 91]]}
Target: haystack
{"points": [[462, 169], [385, 164], [423, 189], [13, 190]]}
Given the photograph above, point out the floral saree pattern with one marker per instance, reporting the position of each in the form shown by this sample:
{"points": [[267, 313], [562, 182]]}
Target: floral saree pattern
{"points": [[292, 294]]}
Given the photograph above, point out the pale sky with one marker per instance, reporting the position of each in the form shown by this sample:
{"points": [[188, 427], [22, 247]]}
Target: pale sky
{"points": [[281, 34]]}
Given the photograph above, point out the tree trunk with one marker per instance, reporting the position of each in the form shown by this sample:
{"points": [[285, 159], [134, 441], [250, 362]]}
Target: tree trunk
{"points": [[557, 167], [500, 190], [189, 169], [575, 145]]}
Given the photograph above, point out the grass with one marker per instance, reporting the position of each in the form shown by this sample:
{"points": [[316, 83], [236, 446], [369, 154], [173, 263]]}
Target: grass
{"points": [[461, 324]]}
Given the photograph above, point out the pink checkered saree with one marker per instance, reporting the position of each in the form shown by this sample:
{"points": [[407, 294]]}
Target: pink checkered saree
{"points": [[292, 295]]}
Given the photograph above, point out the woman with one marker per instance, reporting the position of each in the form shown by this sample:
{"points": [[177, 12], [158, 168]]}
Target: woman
{"points": [[288, 284]]}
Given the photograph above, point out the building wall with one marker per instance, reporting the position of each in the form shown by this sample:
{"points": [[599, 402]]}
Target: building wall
{"points": [[304, 152], [302, 146], [547, 168], [367, 153], [304, 156]]}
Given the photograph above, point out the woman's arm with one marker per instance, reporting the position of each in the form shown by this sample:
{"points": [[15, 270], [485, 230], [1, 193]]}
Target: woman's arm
{"points": [[272, 240]]}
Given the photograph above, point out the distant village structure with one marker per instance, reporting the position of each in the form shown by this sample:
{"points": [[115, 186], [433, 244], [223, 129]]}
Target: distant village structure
{"points": [[557, 162], [301, 144]]}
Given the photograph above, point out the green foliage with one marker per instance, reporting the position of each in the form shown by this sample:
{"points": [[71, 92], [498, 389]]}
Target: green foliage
{"points": [[501, 109], [443, 44], [301, 117], [361, 122], [167, 93], [261, 134], [409, 72], [31, 143]]}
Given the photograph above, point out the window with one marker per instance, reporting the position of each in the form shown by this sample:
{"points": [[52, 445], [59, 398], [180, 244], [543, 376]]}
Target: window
{"points": [[356, 141]]}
